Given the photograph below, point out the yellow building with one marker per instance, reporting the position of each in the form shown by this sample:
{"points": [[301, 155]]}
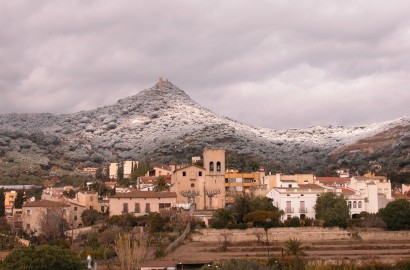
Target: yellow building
{"points": [[244, 183], [10, 197]]}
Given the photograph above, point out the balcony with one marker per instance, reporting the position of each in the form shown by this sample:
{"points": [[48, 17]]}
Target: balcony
{"points": [[289, 210], [302, 210]]}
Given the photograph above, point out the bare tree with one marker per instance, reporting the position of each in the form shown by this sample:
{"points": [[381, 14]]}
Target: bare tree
{"points": [[53, 224], [131, 250]]}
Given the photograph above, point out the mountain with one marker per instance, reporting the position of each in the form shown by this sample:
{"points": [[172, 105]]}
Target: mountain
{"points": [[163, 123]]}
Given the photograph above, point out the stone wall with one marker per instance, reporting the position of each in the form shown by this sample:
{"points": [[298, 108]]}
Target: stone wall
{"points": [[311, 234], [274, 234]]}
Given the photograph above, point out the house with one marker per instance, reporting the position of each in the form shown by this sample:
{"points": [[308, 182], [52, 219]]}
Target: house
{"points": [[147, 183], [297, 200], [201, 187], [336, 182], [90, 171], [160, 171], [35, 213], [282, 180], [159, 265], [138, 202], [128, 167], [113, 171], [245, 183], [375, 190]]}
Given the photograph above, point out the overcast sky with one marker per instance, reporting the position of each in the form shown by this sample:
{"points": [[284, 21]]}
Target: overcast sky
{"points": [[275, 64]]}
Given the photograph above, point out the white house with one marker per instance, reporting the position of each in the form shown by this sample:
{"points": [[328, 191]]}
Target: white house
{"points": [[297, 200], [375, 191]]}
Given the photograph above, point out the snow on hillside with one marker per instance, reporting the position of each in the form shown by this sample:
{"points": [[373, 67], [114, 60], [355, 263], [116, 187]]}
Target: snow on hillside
{"points": [[163, 119]]}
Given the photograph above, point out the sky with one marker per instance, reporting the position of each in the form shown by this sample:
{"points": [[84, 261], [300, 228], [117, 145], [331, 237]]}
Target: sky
{"points": [[274, 64]]}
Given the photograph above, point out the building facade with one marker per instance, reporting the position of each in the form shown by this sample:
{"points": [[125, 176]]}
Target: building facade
{"points": [[139, 203]]}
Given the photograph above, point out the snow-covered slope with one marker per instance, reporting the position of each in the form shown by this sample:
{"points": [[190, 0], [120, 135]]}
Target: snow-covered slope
{"points": [[163, 121]]}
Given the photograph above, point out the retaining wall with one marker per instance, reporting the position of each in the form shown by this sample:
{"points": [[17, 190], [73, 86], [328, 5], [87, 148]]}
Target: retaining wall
{"points": [[310, 234]]}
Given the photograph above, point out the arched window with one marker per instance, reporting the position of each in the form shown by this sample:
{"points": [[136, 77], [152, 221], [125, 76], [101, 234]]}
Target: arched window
{"points": [[354, 204], [360, 204], [211, 166], [350, 204], [218, 166]]}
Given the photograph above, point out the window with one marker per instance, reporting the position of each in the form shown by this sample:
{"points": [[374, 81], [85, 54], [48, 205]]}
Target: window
{"points": [[199, 173], [102, 209], [147, 207], [218, 166], [75, 208], [125, 208], [192, 185], [91, 207], [28, 226], [137, 208], [354, 204], [360, 204], [184, 173], [349, 204], [28, 212], [75, 217], [211, 166], [164, 205]]}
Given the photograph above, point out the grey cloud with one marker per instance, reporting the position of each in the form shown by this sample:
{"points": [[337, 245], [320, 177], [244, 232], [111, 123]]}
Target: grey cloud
{"points": [[275, 64]]}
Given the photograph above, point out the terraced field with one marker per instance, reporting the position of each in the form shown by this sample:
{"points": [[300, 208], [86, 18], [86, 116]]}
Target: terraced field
{"points": [[335, 250]]}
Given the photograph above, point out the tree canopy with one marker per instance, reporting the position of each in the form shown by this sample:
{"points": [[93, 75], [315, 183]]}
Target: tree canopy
{"points": [[396, 214], [2, 203], [161, 184], [42, 258], [18, 203], [245, 204], [332, 209]]}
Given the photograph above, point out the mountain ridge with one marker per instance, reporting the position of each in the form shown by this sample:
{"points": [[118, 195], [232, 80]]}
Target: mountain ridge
{"points": [[163, 121]]}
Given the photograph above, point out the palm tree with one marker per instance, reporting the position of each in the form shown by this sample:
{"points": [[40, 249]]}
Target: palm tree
{"points": [[293, 247], [161, 184]]}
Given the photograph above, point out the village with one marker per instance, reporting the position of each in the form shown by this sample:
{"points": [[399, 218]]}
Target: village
{"points": [[198, 191]]}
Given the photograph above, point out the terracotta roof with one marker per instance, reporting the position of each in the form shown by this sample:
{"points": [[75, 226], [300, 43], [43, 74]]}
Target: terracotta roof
{"points": [[310, 186], [348, 191], [370, 177], [159, 264], [190, 165], [328, 180], [46, 203], [145, 194]]}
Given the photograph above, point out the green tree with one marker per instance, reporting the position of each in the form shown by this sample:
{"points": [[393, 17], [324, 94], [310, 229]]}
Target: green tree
{"points": [[161, 184], [89, 217], [293, 247], [396, 214], [295, 250], [18, 203], [263, 218], [2, 203], [42, 258], [222, 218], [245, 204], [139, 170], [332, 209]]}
